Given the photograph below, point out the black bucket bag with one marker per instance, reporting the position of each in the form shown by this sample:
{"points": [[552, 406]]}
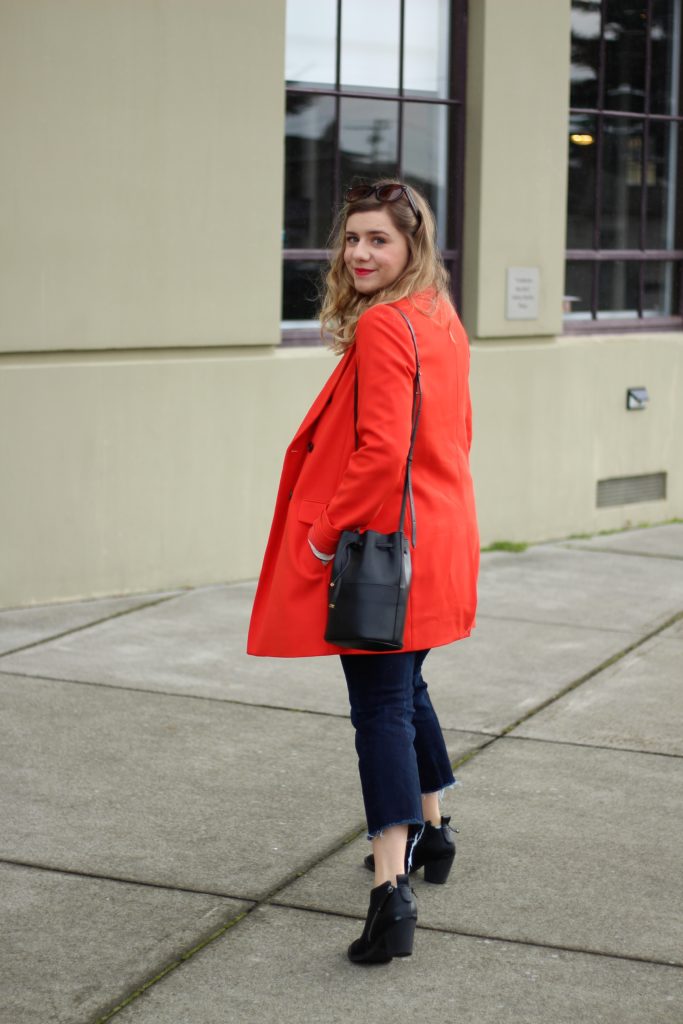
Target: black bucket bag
{"points": [[371, 572]]}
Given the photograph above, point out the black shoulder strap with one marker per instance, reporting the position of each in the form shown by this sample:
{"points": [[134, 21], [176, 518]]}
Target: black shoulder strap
{"points": [[415, 416]]}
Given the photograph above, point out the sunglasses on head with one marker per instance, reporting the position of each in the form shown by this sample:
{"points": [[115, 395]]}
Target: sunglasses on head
{"points": [[384, 194]]}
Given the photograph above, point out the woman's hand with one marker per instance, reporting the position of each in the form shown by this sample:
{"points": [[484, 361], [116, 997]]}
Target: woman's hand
{"points": [[320, 554]]}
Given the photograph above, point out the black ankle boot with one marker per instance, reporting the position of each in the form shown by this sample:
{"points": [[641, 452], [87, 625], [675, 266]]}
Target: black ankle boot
{"points": [[390, 924], [435, 851]]}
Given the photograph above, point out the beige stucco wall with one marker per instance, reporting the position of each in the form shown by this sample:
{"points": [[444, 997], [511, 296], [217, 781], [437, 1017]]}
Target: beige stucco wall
{"points": [[143, 409], [141, 184], [146, 471], [551, 420], [142, 470]]}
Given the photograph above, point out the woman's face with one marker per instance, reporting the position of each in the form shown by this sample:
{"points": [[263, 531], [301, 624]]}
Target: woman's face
{"points": [[376, 253]]}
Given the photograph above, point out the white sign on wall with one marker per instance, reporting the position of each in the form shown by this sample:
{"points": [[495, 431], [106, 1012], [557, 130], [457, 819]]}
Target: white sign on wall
{"points": [[522, 293]]}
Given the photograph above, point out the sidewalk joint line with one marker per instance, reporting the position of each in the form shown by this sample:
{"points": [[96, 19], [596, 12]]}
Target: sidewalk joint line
{"points": [[86, 625], [623, 551], [595, 746], [607, 663], [124, 880], [348, 837], [538, 944], [119, 687], [554, 623], [170, 967]]}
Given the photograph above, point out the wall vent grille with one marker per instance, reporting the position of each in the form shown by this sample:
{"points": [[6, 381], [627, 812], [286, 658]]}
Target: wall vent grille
{"points": [[626, 490]]}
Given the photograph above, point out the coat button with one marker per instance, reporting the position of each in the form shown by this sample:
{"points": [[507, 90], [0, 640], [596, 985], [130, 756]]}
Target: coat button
{"points": [[290, 495], [310, 446]]}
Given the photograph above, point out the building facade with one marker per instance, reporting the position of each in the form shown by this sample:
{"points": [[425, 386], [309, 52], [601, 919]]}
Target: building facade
{"points": [[151, 373]]}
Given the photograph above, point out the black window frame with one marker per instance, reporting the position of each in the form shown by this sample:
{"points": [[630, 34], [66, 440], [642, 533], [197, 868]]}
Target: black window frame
{"points": [[599, 257], [455, 100]]}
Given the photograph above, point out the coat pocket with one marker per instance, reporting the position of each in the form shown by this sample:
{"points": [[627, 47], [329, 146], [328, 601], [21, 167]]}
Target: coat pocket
{"points": [[310, 510]]}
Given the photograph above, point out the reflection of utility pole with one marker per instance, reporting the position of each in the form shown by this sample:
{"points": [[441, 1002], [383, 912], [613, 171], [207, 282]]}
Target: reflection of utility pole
{"points": [[379, 126]]}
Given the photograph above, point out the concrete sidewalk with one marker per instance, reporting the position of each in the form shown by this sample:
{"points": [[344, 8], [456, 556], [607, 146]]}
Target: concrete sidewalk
{"points": [[182, 830]]}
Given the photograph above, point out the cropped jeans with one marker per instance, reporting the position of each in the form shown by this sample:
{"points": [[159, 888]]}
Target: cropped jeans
{"points": [[400, 746]]}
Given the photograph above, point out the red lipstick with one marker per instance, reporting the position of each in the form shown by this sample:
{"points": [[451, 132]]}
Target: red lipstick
{"points": [[362, 273]]}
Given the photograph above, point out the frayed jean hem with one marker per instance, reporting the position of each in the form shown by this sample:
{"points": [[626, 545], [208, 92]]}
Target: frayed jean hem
{"points": [[455, 782], [378, 833]]}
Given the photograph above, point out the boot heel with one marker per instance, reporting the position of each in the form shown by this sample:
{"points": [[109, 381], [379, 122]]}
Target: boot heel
{"points": [[437, 871], [398, 938]]}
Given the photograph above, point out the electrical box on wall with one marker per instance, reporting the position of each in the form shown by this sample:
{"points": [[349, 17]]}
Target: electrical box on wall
{"points": [[636, 398]]}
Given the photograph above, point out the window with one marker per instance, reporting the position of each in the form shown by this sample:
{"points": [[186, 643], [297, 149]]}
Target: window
{"points": [[624, 223], [373, 90]]}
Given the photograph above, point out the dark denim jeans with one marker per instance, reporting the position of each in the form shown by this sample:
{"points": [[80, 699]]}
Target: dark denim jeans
{"points": [[400, 746]]}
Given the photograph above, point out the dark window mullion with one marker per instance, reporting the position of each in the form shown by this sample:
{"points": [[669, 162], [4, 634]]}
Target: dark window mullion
{"points": [[595, 285], [401, 61], [599, 145], [337, 54], [336, 174], [645, 156], [597, 196], [361, 94]]}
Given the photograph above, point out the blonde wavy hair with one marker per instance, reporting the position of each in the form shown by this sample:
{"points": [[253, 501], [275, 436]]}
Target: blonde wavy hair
{"points": [[342, 305]]}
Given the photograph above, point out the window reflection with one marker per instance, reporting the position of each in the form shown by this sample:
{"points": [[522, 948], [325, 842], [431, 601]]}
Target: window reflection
{"points": [[426, 39], [663, 163], [618, 289], [425, 157], [665, 38], [309, 170], [585, 53], [302, 288], [581, 183], [578, 290], [368, 140], [622, 176], [630, 163], [662, 289], [311, 41], [333, 141], [370, 44], [624, 32]]}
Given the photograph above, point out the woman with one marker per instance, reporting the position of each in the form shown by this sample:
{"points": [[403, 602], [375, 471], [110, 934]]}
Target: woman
{"points": [[345, 470]]}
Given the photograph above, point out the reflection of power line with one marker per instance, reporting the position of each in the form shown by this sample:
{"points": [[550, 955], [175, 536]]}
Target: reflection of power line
{"points": [[375, 130]]}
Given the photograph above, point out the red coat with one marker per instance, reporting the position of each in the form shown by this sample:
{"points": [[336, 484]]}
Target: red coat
{"points": [[327, 486]]}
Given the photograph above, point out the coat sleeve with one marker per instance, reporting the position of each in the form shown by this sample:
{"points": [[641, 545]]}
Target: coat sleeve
{"points": [[385, 358]]}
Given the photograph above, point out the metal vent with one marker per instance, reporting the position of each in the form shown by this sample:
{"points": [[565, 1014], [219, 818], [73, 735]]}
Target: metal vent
{"points": [[626, 490]]}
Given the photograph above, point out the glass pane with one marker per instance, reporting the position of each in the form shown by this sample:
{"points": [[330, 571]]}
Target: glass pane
{"points": [[311, 47], [662, 179], [662, 289], [666, 49], [581, 184], [302, 287], [309, 171], [624, 32], [585, 53], [621, 184], [426, 32], [578, 291], [425, 156], [618, 285], [368, 140], [370, 44]]}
